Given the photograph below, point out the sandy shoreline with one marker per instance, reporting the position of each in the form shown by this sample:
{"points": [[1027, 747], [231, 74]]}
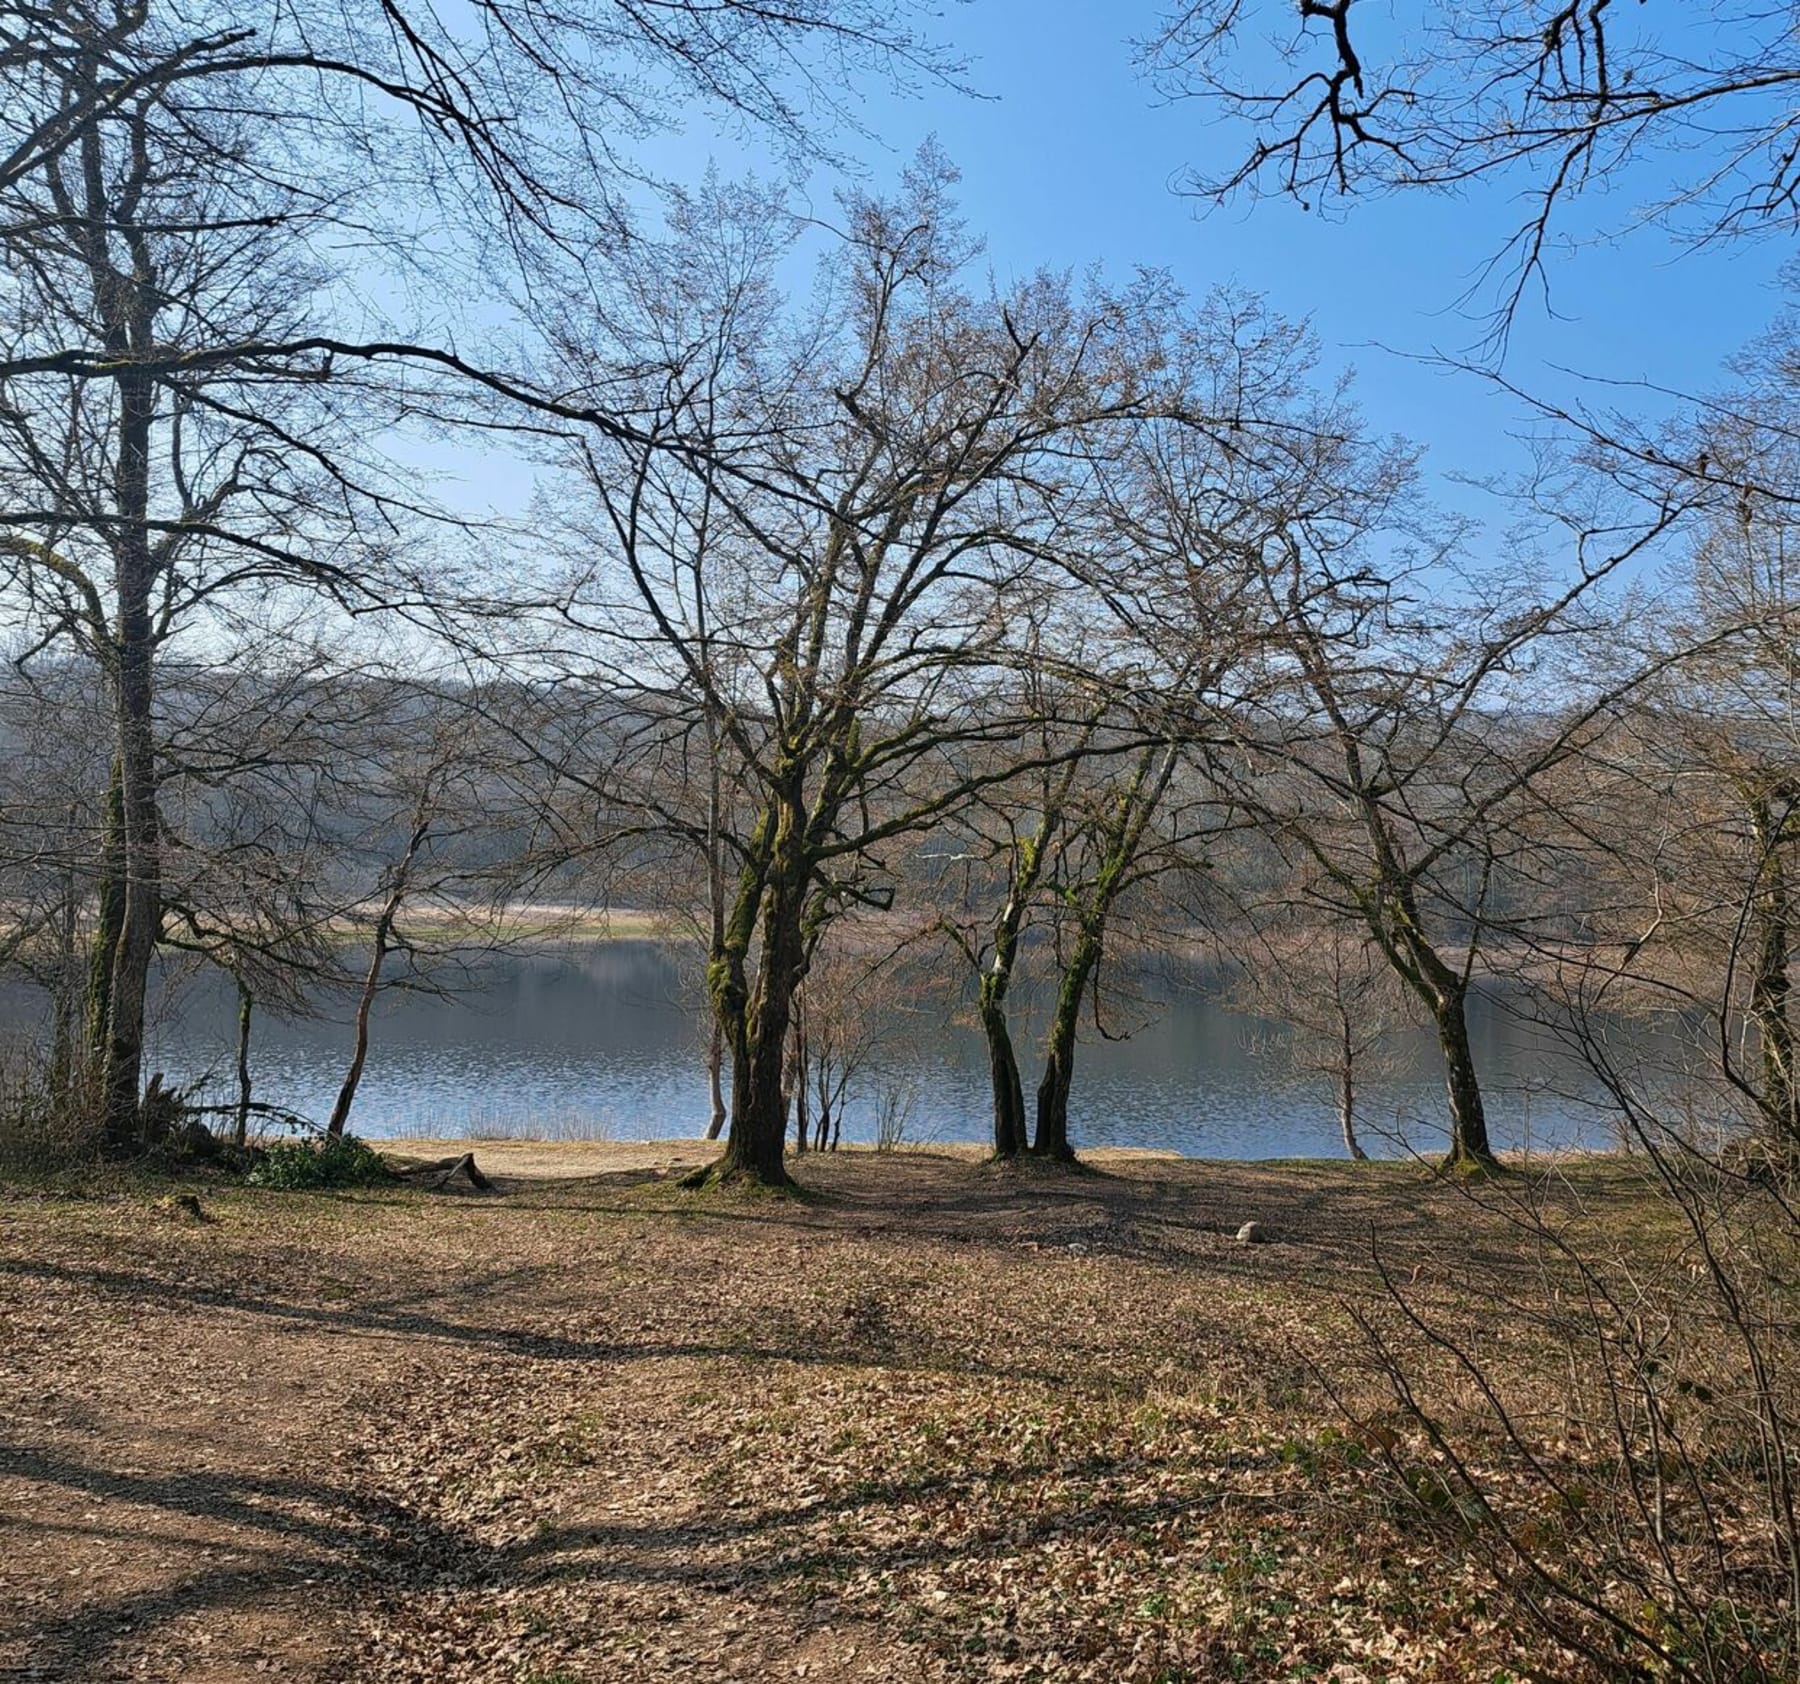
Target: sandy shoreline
{"points": [[568, 1158]]}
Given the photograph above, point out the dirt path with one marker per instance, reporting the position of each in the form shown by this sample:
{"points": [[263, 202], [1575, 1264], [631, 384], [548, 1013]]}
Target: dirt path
{"points": [[934, 1423]]}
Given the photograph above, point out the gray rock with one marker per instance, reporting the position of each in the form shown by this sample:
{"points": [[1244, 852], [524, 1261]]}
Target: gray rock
{"points": [[1252, 1233]]}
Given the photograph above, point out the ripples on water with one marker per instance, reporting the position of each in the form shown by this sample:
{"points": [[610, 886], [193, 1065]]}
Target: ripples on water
{"points": [[607, 1042]]}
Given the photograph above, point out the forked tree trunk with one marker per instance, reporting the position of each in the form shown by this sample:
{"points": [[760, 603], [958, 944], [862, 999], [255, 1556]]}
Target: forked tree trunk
{"points": [[1122, 837], [1008, 1086], [365, 1004], [1444, 991]]}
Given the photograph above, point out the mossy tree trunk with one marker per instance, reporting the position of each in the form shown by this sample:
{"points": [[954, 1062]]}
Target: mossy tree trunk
{"points": [[1119, 843], [757, 1016], [1469, 1145], [1444, 992]]}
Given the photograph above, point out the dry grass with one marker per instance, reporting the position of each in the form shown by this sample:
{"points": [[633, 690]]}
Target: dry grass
{"points": [[931, 1421]]}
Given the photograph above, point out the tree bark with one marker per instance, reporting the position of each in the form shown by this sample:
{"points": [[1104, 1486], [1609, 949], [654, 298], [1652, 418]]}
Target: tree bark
{"points": [[1121, 837], [715, 1079], [109, 920], [1445, 993], [66, 1001], [1771, 986], [1052, 1137], [798, 1099], [133, 702], [758, 1133], [126, 298], [716, 910], [1346, 1092], [246, 1004], [1010, 1137], [1469, 1145]]}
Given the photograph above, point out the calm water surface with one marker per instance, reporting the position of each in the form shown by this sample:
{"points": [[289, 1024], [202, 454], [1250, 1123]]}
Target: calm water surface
{"points": [[606, 1041]]}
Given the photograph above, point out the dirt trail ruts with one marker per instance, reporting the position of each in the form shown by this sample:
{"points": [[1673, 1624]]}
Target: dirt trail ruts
{"points": [[936, 1421]]}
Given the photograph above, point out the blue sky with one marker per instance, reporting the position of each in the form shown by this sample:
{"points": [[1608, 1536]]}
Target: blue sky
{"points": [[1071, 159]]}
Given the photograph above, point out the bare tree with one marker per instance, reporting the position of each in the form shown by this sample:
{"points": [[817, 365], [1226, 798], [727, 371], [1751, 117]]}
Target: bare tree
{"points": [[181, 421], [1340, 1000], [884, 473], [1550, 97]]}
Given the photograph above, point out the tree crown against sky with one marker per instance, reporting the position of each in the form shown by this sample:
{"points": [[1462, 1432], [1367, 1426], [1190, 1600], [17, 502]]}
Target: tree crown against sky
{"points": [[1685, 111]]}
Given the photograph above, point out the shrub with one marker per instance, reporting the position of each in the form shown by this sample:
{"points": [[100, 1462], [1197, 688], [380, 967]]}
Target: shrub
{"points": [[46, 1123], [303, 1165]]}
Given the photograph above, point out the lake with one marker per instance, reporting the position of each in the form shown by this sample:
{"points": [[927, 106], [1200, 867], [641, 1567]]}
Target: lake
{"points": [[605, 1040]]}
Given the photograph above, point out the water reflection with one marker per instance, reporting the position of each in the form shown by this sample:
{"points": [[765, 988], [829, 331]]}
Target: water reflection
{"points": [[606, 1040]]}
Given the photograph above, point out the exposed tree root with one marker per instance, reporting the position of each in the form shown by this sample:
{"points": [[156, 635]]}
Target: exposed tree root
{"points": [[722, 1175]]}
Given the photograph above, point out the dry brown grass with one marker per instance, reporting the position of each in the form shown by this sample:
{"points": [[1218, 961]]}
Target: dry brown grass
{"points": [[931, 1421]]}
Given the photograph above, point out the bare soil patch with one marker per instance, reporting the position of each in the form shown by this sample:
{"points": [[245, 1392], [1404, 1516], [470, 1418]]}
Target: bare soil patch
{"points": [[933, 1420]]}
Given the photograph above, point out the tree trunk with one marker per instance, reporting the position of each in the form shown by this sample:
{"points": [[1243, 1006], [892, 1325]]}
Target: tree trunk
{"points": [[365, 1004], [65, 1005], [798, 1099], [1010, 1137], [245, 1005], [1468, 1117], [133, 703], [715, 1079], [1346, 1092], [716, 911], [753, 1148], [1052, 1138], [384, 930], [1445, 993], [126, 301], [1122, 837], [109, 920], [1771, 987]]}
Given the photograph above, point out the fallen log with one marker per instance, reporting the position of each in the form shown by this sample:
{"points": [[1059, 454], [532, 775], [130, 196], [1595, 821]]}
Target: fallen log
{"points": [[440, 1172]]}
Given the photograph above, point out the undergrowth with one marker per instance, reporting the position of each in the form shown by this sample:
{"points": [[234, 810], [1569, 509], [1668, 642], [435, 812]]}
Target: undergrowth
{"points": [[304, 1165]]}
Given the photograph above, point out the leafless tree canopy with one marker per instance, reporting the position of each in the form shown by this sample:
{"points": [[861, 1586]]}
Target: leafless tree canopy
{"points": [[1689, 107]]}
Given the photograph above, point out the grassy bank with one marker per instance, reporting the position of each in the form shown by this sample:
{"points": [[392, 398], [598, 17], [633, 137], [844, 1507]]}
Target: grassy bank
{"points": [[930, 1421]]}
